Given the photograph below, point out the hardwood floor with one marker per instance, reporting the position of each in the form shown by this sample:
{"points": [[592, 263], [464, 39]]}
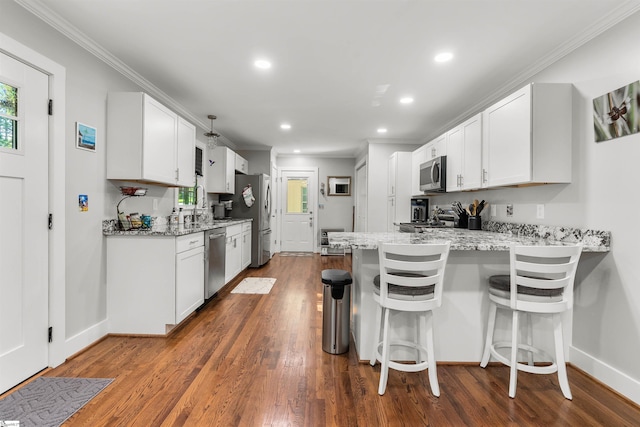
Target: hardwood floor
{"points": [[257, 360]]}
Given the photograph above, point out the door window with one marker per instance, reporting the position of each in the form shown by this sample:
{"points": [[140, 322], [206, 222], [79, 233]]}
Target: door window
{"points": [[8, 116], [297, 197]]}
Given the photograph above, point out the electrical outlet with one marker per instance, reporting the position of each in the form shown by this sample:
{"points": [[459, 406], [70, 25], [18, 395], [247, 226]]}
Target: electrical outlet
{"points": [[509, 210], [540, 211], [155, 204], [494, 210]]}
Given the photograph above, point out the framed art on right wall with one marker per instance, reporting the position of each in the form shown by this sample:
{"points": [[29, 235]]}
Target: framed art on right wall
{"points": [[617, 113]]}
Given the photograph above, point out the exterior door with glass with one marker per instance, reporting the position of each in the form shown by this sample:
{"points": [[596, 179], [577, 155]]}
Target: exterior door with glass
{"points": [[24, 283], [297, 231]]}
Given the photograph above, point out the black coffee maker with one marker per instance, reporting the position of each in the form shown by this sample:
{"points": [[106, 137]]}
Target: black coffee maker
{"points": [[419, 209]]}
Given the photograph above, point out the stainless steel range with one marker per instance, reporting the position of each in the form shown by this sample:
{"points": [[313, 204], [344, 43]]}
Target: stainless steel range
{"points": [[440, 218]]}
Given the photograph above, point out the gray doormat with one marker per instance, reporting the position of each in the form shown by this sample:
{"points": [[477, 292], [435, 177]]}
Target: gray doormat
{"points": [[49, 401]]}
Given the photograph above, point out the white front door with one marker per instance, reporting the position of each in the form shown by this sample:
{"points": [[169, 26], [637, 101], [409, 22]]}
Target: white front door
{"points": [[298, 191], [24, 190]]}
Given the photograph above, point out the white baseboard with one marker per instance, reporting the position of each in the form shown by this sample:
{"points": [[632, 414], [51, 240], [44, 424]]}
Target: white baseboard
{"points": [[85, 338], [610, 376]]}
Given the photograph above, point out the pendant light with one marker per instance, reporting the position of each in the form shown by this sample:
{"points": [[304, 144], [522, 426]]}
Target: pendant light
{"points": [[212, 137]]}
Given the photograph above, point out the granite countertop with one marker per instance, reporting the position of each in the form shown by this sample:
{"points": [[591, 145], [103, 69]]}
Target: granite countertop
{"points": [[109, 228], [493, 237]]}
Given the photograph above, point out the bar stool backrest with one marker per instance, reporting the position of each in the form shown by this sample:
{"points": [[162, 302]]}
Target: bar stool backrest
{"points": [[543, 268], [418, 267]]}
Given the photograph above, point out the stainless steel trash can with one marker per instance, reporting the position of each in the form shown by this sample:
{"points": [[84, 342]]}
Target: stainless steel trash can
{"points": [[336, 311]]}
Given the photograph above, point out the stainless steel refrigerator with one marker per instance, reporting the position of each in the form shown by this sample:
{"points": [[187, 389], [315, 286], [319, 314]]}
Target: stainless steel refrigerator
{"points": [[259, 211]]}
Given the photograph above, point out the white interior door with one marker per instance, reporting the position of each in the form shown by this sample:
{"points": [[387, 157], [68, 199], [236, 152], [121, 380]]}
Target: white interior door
{"points": [[275, 229], [24, 193], [298, 191]]}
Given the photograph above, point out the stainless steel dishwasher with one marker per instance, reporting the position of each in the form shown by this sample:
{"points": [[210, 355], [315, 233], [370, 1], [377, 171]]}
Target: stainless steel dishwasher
{"points": [[214, 259]]}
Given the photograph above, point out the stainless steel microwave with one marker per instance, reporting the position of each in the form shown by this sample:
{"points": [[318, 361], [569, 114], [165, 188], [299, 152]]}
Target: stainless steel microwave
{"points": [[433, 175]]}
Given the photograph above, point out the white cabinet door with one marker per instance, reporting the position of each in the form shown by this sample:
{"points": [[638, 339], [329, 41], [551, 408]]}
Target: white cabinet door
{"points": [[437, 147], [472, 162], [464, 155], [159, 147], [221, 176], [454, 165], [189, 282], [241, 164], [391, 214], [185, 154], [233, 254], [246, 248], [400, 183], [418, 157], [391, 180], [507, 142]]}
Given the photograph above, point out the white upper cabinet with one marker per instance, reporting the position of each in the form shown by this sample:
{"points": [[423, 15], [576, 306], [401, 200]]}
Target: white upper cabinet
{"points": [[418, 157], [464, 155], [143, 140], [437, 147], [186, 153], [242, 166], [221, 175], [527, 137]]}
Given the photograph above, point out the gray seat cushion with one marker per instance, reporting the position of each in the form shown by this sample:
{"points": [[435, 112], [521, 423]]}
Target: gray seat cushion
{"points": [[404, 290], [502, 284]]}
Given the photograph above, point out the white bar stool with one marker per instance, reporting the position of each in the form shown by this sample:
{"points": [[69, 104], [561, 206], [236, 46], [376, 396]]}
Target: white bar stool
{"points": [[410, 280], [544, 276]]}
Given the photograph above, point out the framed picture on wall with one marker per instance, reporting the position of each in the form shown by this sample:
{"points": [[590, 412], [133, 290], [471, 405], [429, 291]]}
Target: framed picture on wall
{"points": [[86, 137], [339, 185], [617, 113]]}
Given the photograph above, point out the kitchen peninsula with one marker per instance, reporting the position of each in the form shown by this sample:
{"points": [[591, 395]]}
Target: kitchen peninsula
{"points": [[459, 328]]}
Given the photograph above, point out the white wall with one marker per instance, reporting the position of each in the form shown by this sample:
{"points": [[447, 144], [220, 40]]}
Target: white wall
{"points": [[88, 82], [602, 195]]}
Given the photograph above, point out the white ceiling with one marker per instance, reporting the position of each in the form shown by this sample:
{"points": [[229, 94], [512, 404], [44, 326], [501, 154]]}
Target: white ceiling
{"points": [[329, 60]]}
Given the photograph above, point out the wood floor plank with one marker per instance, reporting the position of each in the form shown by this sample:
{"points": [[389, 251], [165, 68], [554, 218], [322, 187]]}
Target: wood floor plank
{"points": [[257, 360]]}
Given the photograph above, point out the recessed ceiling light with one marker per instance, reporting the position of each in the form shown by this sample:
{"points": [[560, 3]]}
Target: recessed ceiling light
{"points": [[444, 57], [406, 100], [263, 64], [296, 151], [382, 130], [285, 126]]}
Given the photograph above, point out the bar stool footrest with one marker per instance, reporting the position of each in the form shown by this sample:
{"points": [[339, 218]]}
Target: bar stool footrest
{"points": [[532, 369], [406, 367]]}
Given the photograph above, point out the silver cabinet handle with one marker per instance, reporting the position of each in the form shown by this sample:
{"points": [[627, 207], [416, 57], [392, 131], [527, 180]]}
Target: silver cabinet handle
{"points": [[484, 175]]}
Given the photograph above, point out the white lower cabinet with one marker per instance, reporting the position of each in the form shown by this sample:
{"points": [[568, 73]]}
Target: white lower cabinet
{"points": [[233, 254], [189, 277], [153, 282], [246, 245]]}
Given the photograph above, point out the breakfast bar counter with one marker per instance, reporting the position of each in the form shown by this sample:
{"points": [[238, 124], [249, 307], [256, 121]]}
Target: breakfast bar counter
{"points": [[460, 323]]}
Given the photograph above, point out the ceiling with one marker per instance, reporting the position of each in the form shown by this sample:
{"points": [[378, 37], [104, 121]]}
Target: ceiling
{"points": [[339, 67]]}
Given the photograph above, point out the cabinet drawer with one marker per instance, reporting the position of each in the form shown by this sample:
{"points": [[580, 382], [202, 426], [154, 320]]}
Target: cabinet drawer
{"points": [[246, 226], [232, 230], [189, 241]]}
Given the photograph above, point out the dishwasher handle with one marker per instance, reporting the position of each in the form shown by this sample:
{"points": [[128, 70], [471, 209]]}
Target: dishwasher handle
{"points": [[217, 236]]}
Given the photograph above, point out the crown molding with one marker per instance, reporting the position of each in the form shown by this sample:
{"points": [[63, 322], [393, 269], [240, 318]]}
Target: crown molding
{"points": [[51, 18], [616, 15]]}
